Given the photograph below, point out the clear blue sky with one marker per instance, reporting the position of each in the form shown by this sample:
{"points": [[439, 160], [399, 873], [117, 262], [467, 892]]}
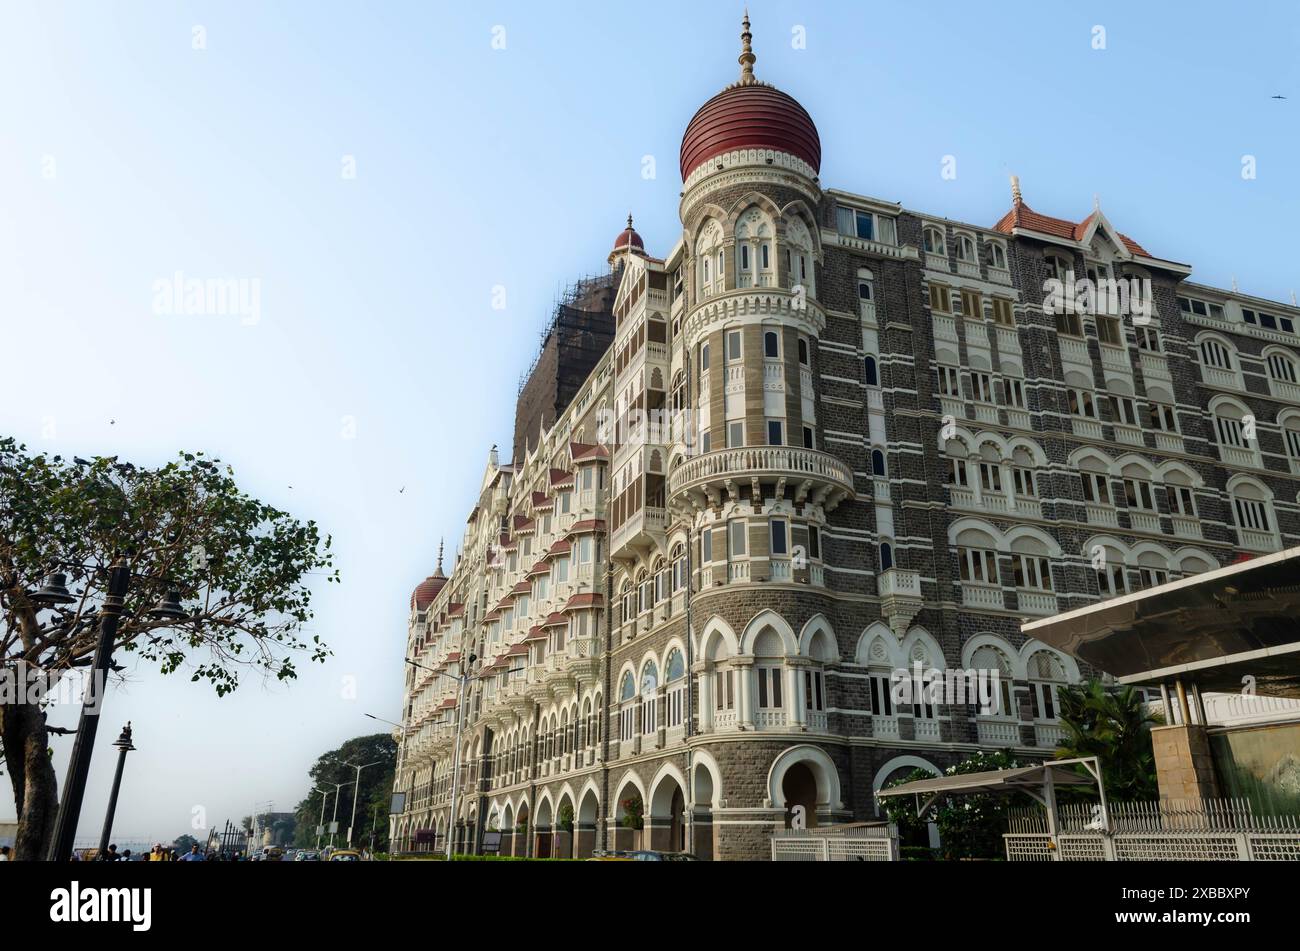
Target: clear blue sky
{"points": [[478, 167]]}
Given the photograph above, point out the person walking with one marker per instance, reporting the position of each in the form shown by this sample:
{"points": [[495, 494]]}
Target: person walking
{"points": [[4, 853], [193, 855]]}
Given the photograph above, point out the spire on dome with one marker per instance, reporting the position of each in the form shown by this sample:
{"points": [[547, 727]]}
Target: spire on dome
{"points": [[747, 56], [629, 221], [1015, 190], [440, 543]]}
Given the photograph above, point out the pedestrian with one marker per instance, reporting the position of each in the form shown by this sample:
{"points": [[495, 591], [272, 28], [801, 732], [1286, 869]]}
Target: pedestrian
{"points": [[4, 853], [193, 855], [111, 855], [126, 856], [156, 853]]}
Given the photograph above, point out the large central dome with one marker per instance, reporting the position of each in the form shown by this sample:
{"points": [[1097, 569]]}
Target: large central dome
{"points": [[749, 115]]}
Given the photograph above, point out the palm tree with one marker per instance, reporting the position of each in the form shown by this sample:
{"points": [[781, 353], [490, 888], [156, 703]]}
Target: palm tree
{"points": [[1114, 725]]}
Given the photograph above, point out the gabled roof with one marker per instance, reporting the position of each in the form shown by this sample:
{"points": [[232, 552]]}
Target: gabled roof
{"points": [[1022, 217]]}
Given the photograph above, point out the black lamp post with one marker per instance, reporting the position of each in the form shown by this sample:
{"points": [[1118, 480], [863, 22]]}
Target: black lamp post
{"points": [[123, 744], [119, 579]]}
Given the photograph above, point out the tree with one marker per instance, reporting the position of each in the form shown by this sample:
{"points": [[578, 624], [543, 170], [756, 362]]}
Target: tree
{"points": [[1114, 725], [184, 843], [237, 563], [376, 790]]}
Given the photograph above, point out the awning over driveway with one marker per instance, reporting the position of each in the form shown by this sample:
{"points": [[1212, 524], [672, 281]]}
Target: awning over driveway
{"points": [[1211, 629]]}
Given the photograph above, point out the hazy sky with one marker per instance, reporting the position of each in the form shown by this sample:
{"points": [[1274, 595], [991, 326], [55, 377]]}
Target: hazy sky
{"points": [[128, 155]]}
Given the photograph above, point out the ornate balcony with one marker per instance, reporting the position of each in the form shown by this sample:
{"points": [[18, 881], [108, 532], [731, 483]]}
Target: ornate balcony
{"points": [[583, 660], [815, 476]]}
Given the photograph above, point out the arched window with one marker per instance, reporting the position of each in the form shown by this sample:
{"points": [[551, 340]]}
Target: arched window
{"points": [[1282, 368], [934, 242], [990, 470], [1252, 512], [799, 255], [709, 252], [1030, 563], [1046, 677], [965, 248], [1022, 473], [877, 463], [1153, 569], [997, 255], [771, 344], [998, 667], [886, 556], [768, 670], [649, 697], [1216, 354], [627, 712], [869, 365], [1291, 437], [977, 559], [675, 678], [1096, 481], [1112, 577]]}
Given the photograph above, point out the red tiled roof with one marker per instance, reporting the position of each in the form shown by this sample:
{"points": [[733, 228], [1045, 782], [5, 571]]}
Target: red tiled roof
{"points": [[588, 525], [455, 610], [524, 587], [560, 547], [540, 568], [579, 451], [1024, 217], [535, 633], [447, 704], [517, 650], [588, 600], [555, 619], [524, 524], [561, 477]]}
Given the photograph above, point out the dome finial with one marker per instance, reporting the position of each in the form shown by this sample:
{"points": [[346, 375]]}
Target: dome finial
{"points": [[629, 221], [440, 541], [746, 54], [1015, 190]]}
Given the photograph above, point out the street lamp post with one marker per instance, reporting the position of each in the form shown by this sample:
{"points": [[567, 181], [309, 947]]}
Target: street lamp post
{"points": [[461, 679], [334, 820], [119, 579], [320, 825], [356, 792], [123, 744]]}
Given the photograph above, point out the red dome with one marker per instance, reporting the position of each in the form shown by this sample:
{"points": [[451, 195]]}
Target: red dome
{"points": [[426, 591], [750, 116], [628, 236]]}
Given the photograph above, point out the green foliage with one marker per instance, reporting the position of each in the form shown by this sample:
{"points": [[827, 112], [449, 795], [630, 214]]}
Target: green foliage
{"points": [[970, 826], [565, 817], [633, 812], [238, 563], [375, 795], [1111, 724], [183, 843]]}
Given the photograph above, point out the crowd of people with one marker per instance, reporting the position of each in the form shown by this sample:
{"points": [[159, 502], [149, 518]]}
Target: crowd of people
{"points": [[160, 853]]}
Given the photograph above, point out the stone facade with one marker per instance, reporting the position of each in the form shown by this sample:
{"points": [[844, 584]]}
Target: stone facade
{"points": [[884, 444]]}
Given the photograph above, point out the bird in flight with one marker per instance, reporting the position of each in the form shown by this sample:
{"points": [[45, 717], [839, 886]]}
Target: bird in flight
{"points": [[1277, 97]]}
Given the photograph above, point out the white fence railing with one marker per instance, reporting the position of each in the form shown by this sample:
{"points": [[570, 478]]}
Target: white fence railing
{"points": [[1224, 830], [849, 844]]}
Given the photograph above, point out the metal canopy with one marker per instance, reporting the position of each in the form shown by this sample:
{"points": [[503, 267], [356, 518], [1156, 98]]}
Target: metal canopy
{"points": [[1211, 629], [1040, 782], [1023, 779]]}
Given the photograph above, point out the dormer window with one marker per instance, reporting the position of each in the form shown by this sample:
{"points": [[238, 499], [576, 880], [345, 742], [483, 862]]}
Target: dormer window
{"points": [[997, 256], [965, 248], [934, 243]]}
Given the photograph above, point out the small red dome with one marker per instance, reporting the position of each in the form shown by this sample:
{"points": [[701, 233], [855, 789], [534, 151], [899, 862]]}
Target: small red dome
{"points": [[628, 238], [427, 590], [750, 116]]}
